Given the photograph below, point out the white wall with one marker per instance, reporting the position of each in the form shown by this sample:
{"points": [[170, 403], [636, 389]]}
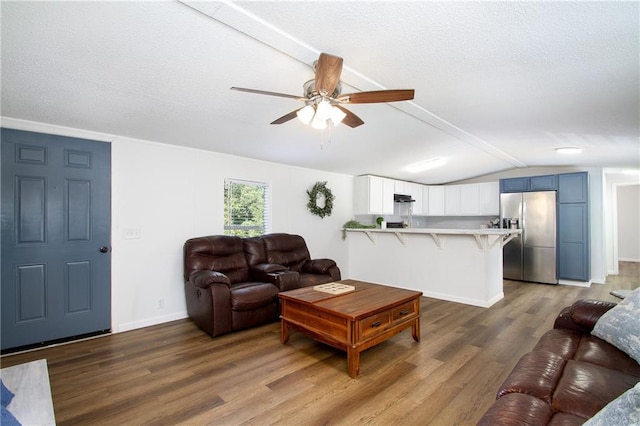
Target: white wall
{"points": [[615, 179], [629, 223], [171, 194]]}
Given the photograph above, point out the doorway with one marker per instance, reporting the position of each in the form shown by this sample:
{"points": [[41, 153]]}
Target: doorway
{"points": [[56, 230]]}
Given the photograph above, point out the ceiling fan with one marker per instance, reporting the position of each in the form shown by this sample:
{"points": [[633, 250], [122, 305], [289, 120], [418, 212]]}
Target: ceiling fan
{"points": [[323, 98]]}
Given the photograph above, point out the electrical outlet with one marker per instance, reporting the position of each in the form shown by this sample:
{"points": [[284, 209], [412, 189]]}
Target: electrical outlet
{"points": [[160, 304], [131, 234]]}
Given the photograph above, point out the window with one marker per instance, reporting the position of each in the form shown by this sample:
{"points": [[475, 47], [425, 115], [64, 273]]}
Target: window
{"points": [[246, 208]]}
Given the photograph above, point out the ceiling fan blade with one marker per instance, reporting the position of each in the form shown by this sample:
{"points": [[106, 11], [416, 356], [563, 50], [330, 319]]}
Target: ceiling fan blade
{"points": [[328, 70], [264, 92], [376, 96], [351, 119], [286, 117]]}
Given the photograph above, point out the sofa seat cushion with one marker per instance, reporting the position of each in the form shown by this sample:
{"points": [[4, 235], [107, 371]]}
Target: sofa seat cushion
{"points": [[587, 348], [624, 410], [597, 351], [584, 388], [248, 296]]}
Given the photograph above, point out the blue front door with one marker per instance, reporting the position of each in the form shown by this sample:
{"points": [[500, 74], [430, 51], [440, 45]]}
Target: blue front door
{"points": [[56, 233]]}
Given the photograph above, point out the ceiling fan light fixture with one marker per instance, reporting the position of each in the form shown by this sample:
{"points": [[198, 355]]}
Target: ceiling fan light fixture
{"points": [[337, 115], [426, 165], [324, 110], [305, 115], [318, 123], [569, 150]]}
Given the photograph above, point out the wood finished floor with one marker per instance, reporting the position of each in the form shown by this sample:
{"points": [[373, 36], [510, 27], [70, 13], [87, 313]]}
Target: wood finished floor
{"points": [[175, 374]]}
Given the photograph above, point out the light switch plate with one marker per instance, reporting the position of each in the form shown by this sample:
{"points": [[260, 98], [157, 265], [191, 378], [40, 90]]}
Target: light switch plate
{"points": [[131, 234]]}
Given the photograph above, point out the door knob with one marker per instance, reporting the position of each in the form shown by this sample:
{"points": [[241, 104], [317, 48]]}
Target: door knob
{"points": [[104, 249]]}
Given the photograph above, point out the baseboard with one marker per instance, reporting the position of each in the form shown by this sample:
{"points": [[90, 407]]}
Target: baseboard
{"points": [[134, 325], [464, 300], [575, 283], [626, 259]]}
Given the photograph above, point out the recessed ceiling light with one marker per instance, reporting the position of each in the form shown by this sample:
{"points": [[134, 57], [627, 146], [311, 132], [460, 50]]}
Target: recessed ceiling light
{"points": [[426, 165], [569, 150]]}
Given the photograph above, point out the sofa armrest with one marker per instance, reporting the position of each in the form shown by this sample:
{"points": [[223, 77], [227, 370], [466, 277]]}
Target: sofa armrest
{"points": [[582, 315], [204, 279], [282, 278], [318, 266], [267, 268]]}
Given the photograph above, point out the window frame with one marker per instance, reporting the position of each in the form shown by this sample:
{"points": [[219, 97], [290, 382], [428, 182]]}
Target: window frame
{"points": [[246, 231]]}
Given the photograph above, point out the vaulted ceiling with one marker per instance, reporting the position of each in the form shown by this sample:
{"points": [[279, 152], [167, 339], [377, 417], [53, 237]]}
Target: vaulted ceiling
{"points": [[498, 85]]}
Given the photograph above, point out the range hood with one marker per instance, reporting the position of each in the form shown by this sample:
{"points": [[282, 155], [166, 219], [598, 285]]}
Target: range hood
{"points": [[401, 198]]}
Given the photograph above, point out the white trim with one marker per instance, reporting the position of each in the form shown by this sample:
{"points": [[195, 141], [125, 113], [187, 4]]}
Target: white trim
{"points": [[128, 326], [575, 283], [466, 301]]}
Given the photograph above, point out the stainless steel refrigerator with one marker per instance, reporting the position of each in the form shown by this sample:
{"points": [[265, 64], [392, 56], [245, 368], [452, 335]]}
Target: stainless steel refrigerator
{"points": [[532, 255]]}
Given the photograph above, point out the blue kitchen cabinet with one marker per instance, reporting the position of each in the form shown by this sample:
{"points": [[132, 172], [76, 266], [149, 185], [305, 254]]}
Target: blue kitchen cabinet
{"points": [[514, 185], [543, 183], [573, 227], [528, 184]]}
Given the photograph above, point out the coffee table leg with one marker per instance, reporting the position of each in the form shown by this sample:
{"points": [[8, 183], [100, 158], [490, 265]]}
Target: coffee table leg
{"points": [[285, 330], [415, 330], [353, 362]]}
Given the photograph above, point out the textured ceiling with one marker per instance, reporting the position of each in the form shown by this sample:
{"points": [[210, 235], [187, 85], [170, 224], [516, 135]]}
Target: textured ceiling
{"points": [[498, 85]]}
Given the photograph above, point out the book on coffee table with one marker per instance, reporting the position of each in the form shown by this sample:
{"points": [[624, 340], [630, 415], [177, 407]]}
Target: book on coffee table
{"points": [[334, 288]]}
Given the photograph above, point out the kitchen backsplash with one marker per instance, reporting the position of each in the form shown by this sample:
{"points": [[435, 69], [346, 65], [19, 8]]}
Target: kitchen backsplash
{"points": [[438, 222]]}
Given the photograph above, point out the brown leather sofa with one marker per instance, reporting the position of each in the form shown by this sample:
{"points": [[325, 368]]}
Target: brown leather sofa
{"points": [[233, 283], [569, 375]]}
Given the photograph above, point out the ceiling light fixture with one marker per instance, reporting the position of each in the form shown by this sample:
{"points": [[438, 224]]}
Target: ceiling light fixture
{"points": [[426, 165], [569, 150], [306, 114], [319, 112]]}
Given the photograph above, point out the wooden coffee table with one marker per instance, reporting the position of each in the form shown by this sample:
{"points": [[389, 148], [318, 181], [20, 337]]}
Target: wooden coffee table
{"points": [[354, 321]]}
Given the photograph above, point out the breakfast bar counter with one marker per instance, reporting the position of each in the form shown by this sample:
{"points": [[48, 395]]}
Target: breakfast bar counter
{"points": [[459, 265]]}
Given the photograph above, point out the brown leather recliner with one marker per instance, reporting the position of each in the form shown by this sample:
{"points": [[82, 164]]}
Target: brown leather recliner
{"points": [[284, 259], [220, 292], [232, 283]]}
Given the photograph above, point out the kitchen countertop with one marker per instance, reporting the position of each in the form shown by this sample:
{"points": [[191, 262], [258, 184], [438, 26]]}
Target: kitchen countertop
{"points": [[477, 231]]}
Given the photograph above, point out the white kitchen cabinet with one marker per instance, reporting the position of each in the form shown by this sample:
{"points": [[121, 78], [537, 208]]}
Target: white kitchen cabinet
{"points": [[401, 187], [415, 190], [373, 195], [469, 199], [435, 200], [489, 198], [452, 206]]}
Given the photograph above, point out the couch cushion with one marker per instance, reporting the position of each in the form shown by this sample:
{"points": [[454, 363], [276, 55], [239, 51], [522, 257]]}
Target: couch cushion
{"points": [[248, 296], [559, 341], [286, 249], [222, 253], [535, 374], [596, 351], [620, 326], [624, 410], [517, 409], [584, 388]]}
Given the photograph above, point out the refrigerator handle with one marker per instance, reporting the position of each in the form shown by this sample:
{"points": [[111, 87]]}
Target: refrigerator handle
{"points": [[523, 222]]}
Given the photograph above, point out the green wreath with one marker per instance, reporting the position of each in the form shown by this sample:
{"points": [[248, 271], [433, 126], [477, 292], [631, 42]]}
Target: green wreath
{"points": [[312, 205]]}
